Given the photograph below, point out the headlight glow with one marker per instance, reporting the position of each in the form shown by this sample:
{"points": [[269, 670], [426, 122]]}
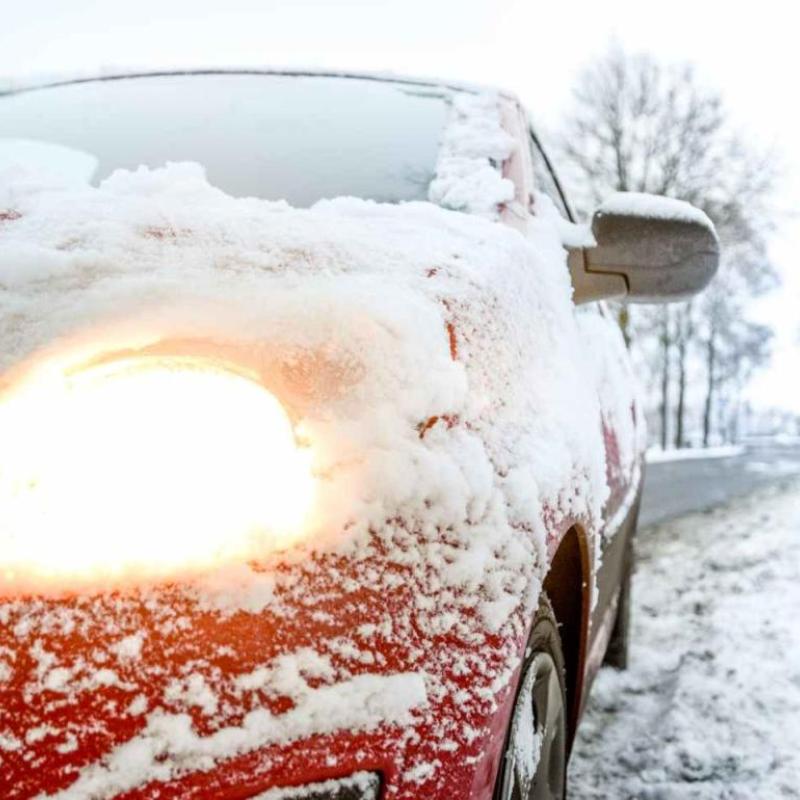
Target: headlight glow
{"points": [[147, 466]]}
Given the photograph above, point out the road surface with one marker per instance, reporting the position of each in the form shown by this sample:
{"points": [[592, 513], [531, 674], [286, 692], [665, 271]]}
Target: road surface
{"points": [[672, 488]]}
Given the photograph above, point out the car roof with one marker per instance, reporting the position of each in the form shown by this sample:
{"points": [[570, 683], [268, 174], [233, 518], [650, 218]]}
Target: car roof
{"points": [[386, 77]]}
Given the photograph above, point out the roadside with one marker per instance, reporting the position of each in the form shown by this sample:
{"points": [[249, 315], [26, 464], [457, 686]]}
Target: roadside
{"points": [[655, 455], [679, 486], [710, 706]]}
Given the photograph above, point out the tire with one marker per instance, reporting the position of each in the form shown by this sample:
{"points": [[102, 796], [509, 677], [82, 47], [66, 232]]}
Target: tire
{"points": [[541, 698], [618, 645]]}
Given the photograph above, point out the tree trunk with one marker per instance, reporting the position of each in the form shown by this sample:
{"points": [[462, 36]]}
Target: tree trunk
{"points": [[679, 412], [735, 425], [710, 357], [722, 414], [624, 322], [685, 333], [665, 343]]}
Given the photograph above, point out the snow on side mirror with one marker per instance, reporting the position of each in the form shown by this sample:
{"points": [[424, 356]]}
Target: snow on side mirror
{"points": [[649, 249]]}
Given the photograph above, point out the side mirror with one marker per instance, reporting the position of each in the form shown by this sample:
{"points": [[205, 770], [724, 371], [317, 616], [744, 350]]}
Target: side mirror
{"points": [[649, 249]]}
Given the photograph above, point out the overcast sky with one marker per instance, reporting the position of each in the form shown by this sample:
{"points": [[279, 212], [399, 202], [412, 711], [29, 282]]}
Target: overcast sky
{"points": [[531, 47]]}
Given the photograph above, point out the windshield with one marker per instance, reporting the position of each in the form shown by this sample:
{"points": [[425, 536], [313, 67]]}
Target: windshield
{"points": [[276, 137]]}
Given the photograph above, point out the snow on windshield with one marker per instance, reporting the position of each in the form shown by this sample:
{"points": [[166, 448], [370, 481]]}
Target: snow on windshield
{"points": [[62, 164], [473, 149], [277, 137], [298, 139], [419, 351]]}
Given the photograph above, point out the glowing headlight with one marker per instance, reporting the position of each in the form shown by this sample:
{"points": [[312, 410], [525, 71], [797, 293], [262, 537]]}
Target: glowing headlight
{"points": [[145, 466]]}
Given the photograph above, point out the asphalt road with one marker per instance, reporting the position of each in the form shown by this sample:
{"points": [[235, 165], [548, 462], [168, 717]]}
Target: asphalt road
{"points": [[672, 488]]}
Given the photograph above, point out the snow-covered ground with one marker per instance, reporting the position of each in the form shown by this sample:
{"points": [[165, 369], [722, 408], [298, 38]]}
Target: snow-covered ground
{"points": [[710, 706], [655, 455]]}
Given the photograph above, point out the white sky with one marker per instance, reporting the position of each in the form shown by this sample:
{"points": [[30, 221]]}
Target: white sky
{"points": [[747, 50]]}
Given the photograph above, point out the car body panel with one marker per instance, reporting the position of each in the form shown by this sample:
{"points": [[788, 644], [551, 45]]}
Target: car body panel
{"points": [[180, 638]]}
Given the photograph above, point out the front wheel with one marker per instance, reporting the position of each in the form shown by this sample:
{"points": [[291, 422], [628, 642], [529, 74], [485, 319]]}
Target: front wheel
{"points": [[535, 759]]}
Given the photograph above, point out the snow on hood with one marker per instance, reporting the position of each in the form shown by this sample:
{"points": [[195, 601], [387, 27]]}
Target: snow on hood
{"points": [[423, 351], [392, 316]]}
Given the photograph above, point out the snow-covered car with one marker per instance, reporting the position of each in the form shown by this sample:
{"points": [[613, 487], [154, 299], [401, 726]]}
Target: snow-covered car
{"points": [[321, 456]]}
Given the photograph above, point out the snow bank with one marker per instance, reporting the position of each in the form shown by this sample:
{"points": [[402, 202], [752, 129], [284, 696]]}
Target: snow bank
{"points": [[655, 455], [653, 206]]}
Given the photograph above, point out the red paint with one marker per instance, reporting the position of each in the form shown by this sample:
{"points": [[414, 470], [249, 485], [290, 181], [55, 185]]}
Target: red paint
{"points": [[451, 335], [251, 640]]}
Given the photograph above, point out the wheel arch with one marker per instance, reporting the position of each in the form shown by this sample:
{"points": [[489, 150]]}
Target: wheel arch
{"points": [[568, 587]]}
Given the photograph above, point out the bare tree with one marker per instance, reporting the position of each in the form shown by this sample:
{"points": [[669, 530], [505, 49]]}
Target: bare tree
{"points": [[639, 125], [733, 345]]}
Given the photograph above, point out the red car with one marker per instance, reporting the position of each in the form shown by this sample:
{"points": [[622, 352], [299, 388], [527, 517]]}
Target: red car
{"points": [[442, 356]]}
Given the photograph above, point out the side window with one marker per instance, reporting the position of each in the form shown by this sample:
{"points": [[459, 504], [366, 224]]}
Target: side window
{"points": [[545, 178]]}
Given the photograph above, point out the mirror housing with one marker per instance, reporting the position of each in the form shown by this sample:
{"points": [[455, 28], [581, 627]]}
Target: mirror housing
{"points": [[648, 249]]}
